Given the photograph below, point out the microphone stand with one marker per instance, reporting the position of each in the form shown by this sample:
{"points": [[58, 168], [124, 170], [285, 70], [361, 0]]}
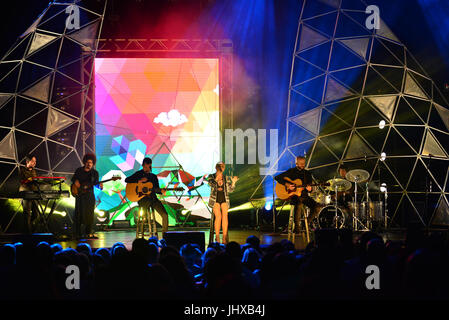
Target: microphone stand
{"points": [[380, 183], [386, 207], [380, 197], [428, 188], [273, 207]]}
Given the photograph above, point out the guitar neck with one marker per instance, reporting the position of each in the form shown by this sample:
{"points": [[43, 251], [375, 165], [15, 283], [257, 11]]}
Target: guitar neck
{"points": [[99, 182], [309, 185], [103, 181]]}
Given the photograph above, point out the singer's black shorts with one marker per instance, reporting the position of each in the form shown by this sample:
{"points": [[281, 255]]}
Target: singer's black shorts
{"points": [[220, 197]]}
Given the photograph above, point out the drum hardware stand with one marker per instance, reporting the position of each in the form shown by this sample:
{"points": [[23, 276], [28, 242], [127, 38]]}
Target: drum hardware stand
{"points": [[369, 223], [336, 206], [290, 232], [357, 176], [335, 185], [386, 208], [379, 199], [385, 197], [306, 222], [355, 218]]}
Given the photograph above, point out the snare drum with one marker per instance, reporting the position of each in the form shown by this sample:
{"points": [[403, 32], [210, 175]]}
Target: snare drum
{"points": [[321, 198], [326, 217]]}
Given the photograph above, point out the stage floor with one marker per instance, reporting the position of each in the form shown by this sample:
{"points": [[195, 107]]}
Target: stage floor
{"points": [[107, 238]]}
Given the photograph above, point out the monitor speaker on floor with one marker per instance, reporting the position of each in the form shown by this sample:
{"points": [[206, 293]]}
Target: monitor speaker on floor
{"points": [[179, 238]]}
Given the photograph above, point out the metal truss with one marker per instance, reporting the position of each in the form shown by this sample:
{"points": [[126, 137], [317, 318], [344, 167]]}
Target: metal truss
{"points": [[357, 95], [46, 92]]}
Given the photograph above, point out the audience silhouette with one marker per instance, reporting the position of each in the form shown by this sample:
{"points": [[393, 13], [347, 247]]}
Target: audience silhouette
{"points": [[333, 266]]}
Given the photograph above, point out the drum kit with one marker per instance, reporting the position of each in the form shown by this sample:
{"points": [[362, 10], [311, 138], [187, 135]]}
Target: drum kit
{"points": [[338, 210]]}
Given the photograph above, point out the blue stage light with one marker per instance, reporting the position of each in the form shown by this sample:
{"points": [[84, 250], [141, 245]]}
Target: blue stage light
{"points": [[268, 205]]}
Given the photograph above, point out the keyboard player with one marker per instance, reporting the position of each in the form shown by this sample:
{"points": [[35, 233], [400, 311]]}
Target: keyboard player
{"points": [[26, 184]]}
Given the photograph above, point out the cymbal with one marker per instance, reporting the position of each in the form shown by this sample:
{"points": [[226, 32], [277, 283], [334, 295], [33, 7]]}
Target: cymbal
{"points": [[357, 175], [340, 184]]}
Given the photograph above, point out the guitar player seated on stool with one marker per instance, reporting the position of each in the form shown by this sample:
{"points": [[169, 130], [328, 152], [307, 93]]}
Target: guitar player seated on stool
{"points": [[299, 172], [150, 200], [85, 178]]}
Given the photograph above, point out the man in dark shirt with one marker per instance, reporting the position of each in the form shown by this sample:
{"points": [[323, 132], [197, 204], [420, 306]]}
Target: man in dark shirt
{"points": [[299, 172], [85, 178], [150, 201], [26, 184], [344, 198]]}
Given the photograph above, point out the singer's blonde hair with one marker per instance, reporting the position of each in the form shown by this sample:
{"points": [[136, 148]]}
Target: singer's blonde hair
{"points": [[219, 164]]}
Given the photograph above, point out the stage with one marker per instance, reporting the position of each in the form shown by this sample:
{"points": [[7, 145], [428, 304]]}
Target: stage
{"points": [[106, 239], [191, 100]]}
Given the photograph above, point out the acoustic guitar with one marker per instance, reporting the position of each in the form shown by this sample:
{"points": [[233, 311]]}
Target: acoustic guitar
{"points": [[137, 190], [283, 193], [84, 187]]}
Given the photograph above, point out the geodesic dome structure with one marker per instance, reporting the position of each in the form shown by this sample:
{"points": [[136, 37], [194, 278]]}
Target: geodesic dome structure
{"points": [[356, 94], [46, 92]]}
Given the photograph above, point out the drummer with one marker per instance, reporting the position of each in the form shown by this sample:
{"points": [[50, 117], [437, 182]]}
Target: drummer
{"points": [[345, 197]]}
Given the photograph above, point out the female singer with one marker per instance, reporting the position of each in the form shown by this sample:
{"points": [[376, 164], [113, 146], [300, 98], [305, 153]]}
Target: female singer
{"points": [[221, 185]]}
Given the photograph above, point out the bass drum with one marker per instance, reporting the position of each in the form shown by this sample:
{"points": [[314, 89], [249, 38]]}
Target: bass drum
{"points": [[326, 218]]}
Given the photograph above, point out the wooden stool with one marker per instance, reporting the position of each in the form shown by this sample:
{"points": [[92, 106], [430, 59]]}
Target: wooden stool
{"points": [[146, 218], [304, 215]]}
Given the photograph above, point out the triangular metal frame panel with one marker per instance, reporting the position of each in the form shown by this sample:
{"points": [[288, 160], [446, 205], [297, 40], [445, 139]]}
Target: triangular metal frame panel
{"points": [[400, 77], [32, 45]]}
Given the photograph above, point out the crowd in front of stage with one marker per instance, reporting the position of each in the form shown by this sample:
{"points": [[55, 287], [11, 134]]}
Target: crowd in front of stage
{"points": [[333, 266]]}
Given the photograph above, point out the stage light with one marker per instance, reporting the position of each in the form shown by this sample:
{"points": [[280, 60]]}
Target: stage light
{"points": [[102, 219], [60, 213], [184, 212], [100, 214], [383, 156], [268, 205], [382, 124], [383, 187]]}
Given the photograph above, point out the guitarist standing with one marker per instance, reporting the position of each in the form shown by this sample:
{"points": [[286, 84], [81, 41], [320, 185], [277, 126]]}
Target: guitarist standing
{"points": [[151, 200], [299, 172], [85, 178]]}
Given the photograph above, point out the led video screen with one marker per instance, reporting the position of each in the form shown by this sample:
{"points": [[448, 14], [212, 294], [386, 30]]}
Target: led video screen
{"points": [[163, 108]]}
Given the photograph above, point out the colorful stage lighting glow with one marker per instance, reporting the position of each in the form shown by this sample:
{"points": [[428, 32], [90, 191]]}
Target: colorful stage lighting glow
{"points": [[163, 108]]}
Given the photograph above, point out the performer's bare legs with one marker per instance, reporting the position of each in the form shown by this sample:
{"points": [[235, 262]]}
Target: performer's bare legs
{"points": [[224, 221], [217, 224]]}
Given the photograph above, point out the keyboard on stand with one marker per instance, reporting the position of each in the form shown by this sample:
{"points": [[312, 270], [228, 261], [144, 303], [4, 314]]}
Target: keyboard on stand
{"points": [[46, 191], [43, 195]]}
